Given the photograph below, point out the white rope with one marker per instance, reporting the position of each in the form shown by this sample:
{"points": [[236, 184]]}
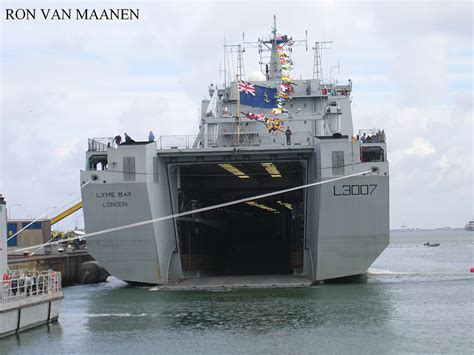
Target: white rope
{"points": [[40, 217], [199, 210]]}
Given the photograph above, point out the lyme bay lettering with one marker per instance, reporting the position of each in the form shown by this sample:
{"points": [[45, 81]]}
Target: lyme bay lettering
{"points": [[113, 195], [72, 14]]}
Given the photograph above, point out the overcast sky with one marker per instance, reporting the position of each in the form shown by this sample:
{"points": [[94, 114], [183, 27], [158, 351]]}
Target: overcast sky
{"points": [[63, 82]]}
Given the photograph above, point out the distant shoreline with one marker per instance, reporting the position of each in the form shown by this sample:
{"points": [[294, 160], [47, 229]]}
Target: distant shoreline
{"points": [[445, 229]]}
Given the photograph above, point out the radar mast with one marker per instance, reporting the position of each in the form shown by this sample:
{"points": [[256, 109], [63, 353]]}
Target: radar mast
{"points": [[273, 70]]}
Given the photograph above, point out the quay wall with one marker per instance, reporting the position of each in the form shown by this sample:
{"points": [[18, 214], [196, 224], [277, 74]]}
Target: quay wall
{"points": [[67, 264]]}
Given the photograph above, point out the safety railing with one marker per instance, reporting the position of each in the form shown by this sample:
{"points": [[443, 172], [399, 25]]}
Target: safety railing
{"points": [[372, 135], [233, 139], [19, 285], [176, 142], [100, 144], [295, 139], [336, 90]]}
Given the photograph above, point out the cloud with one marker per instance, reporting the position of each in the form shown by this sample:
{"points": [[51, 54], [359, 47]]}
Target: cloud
{"points": [[66, 149], [420, 37], [443, 163], [420, 148], [411, 64]]}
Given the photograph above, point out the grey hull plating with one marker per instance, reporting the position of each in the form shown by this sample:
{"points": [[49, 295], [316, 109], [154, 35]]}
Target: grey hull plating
{"points": [[344, 234]]}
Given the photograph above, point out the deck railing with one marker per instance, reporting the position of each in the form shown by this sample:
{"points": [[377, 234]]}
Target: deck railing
{"points": [[19, 285], [375, 134], [232, 139], [225, 139], [100, 144], [176, 142]]}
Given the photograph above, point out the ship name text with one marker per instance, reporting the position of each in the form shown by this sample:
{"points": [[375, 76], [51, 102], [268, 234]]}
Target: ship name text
{"points": [[114, 194]]}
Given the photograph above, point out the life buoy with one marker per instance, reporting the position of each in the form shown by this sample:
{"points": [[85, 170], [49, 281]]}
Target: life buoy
{"points": [[6, 278]]}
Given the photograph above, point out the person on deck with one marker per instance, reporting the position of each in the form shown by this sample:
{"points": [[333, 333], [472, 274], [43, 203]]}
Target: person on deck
{"points": [[288, 135], [118, 139], [151, 137], [128, 140], [377, 137]]}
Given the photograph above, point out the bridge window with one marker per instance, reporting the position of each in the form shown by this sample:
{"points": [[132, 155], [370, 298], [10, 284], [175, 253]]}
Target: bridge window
{"points": [[338, 162], [129, 169], [368, 154], [98, 162]]}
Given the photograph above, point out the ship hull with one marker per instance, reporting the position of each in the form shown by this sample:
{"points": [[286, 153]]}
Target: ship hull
{"points": [[332, 230]]}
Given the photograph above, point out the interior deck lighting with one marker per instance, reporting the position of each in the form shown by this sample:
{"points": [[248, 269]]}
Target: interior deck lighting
{"points": [[259, 205], [233, 170], [286, 204], [271, 169]]}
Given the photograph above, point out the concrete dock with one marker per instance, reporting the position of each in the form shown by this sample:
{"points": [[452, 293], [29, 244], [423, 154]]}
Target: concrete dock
{"points": [[67, 264]]}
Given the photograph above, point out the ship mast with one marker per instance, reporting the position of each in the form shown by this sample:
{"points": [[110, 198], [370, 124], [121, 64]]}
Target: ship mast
{"points": [[274, 70], [238, 119]]}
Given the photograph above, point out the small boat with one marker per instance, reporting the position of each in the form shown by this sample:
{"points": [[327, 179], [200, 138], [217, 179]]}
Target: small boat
{"points": [[469, 226], [428, 244]]}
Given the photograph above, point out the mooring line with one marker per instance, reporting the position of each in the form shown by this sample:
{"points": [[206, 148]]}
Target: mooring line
{"points": [[42, 216], [199, 210]]}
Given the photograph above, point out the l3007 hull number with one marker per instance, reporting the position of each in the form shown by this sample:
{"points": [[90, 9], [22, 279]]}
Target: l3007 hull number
{"points": [[354, 190]]}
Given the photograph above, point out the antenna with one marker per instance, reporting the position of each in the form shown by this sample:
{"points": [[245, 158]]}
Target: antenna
{"points": [[274, 28], [263, 45], [230, 49], [225, 67], [318, 64], [333, 67]]}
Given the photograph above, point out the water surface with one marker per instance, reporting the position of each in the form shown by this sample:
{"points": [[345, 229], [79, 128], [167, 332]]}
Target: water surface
{"points": [[415, 299]]}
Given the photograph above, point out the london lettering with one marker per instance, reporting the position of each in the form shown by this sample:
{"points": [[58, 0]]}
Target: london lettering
{"points": [[115, 204]]}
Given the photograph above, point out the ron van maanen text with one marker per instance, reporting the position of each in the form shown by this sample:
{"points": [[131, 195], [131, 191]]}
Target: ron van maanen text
{"points": [[72, 14]]}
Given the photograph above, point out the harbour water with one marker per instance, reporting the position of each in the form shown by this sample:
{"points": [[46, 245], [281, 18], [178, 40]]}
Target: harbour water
{"points": [[415, 299]]}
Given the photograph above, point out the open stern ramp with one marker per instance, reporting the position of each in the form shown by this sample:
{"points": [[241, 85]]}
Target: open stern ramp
{"points": [[262, 237]]}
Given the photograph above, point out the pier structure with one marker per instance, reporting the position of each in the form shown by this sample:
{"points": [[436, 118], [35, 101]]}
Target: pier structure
{"points": [[27, 298], [67, 264]]}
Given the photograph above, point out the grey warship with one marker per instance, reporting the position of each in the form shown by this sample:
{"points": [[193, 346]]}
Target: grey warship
{"points": [[258, 134]]}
